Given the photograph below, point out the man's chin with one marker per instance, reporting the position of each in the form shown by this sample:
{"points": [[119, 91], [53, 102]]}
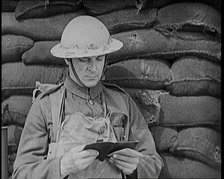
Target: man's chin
{"points": [[91, 84]]}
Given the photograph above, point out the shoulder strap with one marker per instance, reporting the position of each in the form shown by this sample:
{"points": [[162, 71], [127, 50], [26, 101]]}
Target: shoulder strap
{"points": [[115, 91], [57, 100], [43, 89]]}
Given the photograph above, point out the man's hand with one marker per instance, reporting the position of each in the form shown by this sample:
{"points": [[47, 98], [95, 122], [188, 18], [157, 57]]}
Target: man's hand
{"points": [[76, 160], [126, 160]]}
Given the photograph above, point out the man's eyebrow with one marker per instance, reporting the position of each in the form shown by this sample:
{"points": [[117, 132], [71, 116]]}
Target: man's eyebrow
{"points": [[100, 56], [87, 58], [83, 58]]}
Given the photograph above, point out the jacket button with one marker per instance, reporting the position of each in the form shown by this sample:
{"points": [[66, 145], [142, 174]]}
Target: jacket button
{"points": [[123, 137], [90, 102]]}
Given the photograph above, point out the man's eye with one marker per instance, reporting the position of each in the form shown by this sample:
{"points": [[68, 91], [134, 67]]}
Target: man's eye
{"points": [[100, 58], [83, 59]]}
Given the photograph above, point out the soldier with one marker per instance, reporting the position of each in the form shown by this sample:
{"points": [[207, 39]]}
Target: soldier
{"points": [[84, 110]]}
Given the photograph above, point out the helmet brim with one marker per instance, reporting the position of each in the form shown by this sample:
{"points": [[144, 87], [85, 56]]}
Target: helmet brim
{"points": [[61, 52]]}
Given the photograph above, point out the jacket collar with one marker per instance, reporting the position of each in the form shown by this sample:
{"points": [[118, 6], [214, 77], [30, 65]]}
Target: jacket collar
{"points": [[80, 91]]}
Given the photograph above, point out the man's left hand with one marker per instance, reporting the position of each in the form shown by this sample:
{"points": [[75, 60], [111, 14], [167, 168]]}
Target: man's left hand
{"points": [[126, 160]]}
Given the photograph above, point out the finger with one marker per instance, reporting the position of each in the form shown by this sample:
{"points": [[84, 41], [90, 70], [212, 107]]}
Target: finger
{"points": [[128, 152], [127, 159], [86, 161], [78, 148], [124, 163], [94, 152], [88, 153], [81, 164], [126, 169]]}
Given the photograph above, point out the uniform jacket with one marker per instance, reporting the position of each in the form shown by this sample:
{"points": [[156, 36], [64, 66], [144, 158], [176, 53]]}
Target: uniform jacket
{"points": [[128, 123]]}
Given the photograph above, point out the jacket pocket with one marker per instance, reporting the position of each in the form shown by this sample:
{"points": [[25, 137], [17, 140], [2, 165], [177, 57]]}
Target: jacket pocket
{"points": [[118, 121]]}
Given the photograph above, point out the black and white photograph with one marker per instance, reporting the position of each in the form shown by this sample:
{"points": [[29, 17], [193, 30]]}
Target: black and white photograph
{"points": [[111, 89]]}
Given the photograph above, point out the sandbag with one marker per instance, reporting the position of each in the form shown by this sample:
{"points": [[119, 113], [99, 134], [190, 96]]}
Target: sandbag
{"points": [[34, 57], [198, 143], [151, 43], [139, 73], [192, 76], [190, 111], [14, 133], [97, 7], [9, 5], [17, 109], [40, 54], [183, 16], [128, 19], [180, 167], [17, 75], [164, 138], [159, 4], [13, 46], [148, 103], [28, 9], [8, 91], [49, 28]]}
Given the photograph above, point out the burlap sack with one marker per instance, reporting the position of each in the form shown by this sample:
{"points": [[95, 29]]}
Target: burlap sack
{"points": [[96, 7], [180, 167], [13, 46], [17, 77], [139, 73], [128, 19], [151, 43], [49, 28], [40, 54], [165, 138], [17, 110], [148, 103], [190, 111], [159, 4], [198, 143], [186, 15], [140, 43], [28, 9], [192, 76], [14, 133]]}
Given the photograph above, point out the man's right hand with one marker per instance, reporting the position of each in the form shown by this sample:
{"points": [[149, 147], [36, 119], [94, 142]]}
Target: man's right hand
{"points": [[76, 160]]}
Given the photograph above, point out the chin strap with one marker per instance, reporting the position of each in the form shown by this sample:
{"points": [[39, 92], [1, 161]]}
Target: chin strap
{"points": [[105, 65], [76, 76]]}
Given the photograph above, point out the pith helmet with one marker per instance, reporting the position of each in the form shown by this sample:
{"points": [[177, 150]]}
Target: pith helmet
{"points": [[85, 36]]}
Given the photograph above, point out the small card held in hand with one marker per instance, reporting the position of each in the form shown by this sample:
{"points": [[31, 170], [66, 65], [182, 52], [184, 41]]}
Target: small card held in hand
{"points": [[106, 148]]}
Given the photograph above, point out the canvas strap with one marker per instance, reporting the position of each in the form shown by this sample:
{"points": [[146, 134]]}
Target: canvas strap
{"points": [[57, 101]]}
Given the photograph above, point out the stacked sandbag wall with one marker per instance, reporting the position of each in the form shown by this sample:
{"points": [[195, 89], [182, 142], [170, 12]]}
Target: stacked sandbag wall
{"points": [[173, 72], [170, 65]]}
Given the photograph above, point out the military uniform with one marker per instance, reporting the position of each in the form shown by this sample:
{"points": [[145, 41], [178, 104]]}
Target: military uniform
{"points": [[104, 105]]}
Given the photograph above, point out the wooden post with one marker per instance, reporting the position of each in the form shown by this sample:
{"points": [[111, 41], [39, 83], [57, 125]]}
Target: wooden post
{"points": [[4, 172]]}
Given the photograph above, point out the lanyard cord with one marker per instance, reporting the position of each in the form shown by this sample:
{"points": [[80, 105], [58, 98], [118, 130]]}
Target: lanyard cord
{"points": [[106, 113], [61, 114]]}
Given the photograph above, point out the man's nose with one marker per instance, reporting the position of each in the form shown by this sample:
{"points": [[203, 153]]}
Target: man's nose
{"points": [[92, 64]]}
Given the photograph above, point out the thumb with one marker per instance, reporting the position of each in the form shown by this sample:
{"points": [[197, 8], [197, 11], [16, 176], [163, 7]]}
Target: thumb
{"points": [[78, 148]]}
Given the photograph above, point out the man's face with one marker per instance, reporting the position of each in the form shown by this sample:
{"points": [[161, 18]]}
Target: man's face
{"points": [[89, 69]]}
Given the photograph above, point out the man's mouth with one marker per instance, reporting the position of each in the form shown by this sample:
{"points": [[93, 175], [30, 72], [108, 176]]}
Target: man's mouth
{"points": [[91, 77]]}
